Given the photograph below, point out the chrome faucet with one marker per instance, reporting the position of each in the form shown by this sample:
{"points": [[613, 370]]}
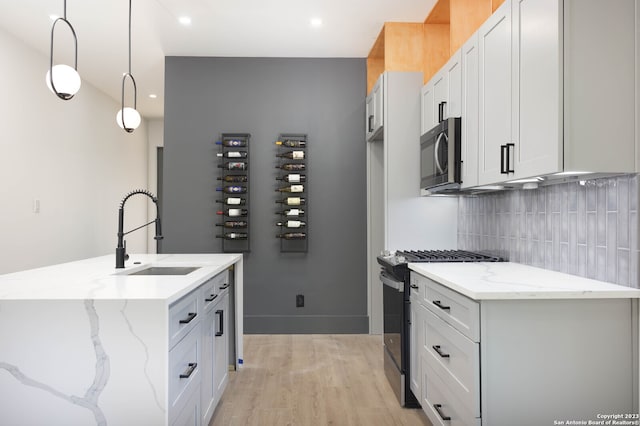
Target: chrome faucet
{"points": [[121, 249]]}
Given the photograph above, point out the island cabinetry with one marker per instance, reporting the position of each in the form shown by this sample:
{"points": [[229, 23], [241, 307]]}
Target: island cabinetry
{"points": [[483, 361], [215, 298]]}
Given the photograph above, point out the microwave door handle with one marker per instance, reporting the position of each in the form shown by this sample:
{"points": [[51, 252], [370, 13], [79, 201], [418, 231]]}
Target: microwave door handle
{"points": [[438, 166]]}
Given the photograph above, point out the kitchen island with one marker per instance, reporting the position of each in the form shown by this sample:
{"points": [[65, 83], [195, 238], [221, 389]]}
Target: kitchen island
{"points": [[505, 343], [84, 343]]}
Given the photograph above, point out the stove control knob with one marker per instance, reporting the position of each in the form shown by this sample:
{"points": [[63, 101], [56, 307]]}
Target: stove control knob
{"points": [[402, 259], [385, 253]]}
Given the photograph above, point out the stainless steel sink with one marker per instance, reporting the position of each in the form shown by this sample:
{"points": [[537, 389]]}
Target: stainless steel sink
{"points": [[165, 270]]}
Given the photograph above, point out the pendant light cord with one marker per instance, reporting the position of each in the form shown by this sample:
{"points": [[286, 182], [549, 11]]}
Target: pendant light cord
{"points": [[129, 35]]}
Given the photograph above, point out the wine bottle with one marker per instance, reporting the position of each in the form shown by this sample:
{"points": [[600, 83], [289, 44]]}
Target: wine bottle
{"points": [[233, 201], [233, 178], [292, 178], [233, 189], [291, 212], [234, 165], [233, 154], [291, 201], [292, 224], [233, 224], [292, 167], [233, 212], [234, 236], [292, 155], [232, 142], [292, 236], [291, 188], [292, 143]]}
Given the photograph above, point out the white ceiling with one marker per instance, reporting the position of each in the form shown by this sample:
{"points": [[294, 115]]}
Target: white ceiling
{"points": [[240, 28]]}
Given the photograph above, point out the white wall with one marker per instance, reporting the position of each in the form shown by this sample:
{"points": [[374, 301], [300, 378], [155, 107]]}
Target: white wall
{"points": [[69, 155]]}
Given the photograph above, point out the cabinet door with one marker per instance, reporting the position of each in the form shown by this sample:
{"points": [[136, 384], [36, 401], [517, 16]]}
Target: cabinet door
{"points": [[537, 104], [440, 95], [495, 73], [369, 116], [453, 70], [470, 106], [208, 385], [427, 114], [221, 335]]}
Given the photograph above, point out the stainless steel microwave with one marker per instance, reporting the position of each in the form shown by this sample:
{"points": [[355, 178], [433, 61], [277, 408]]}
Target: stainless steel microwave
{"points": [[440, 157]]}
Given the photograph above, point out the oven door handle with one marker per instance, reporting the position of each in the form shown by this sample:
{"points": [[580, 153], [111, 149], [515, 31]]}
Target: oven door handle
{"points": [[391, 282]]}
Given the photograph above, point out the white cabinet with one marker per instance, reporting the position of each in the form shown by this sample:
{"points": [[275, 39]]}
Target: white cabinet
{"points": [[485, 361], [541, 90], [520, 91], [375, 111], [441, 97], [495, 94], [428, 112], [470, 112], [221, 363], [199, 354], [214, 295]]}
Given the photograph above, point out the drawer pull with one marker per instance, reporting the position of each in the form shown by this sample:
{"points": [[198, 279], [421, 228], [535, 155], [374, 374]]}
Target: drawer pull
{"points": [[415, 287], [220, 330], [437, 349], [211, 298], [189, 318], [438, 407], [189, 371], [441, 306], [224, 286]]}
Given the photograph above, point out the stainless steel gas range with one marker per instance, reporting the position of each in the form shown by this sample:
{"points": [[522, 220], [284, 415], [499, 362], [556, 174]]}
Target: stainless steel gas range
{"points": [[397, 310]]}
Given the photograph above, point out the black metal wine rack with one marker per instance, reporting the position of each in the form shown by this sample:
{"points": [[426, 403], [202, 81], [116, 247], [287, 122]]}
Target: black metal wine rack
{"points": [[232, 192], [293, 205]]}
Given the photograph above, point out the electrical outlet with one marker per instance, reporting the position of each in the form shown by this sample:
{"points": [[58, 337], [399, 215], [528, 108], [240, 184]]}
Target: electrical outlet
{"points": [[299, 301]]}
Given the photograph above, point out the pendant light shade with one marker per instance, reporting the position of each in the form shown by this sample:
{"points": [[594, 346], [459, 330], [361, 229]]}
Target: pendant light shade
{"points": [[128, 118], [63, 80], [66, 80]]}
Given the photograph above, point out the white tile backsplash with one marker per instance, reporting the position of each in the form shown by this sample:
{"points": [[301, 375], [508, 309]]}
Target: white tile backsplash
{"points": [[588, 229]]}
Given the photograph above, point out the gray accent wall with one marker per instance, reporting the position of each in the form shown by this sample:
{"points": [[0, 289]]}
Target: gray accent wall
{"points": [[322, 97], [588, 229]]}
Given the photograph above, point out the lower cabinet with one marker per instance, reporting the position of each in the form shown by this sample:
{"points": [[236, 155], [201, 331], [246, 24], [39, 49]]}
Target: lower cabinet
{"points": [[492, 362], [198, 361]]}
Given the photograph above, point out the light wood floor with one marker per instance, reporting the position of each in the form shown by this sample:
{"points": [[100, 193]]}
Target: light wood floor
{"points": [[312, 380]]}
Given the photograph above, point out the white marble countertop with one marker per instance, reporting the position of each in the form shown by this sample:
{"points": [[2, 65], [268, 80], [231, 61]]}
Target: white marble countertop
{"points": [[97, 278], [506, 280]]}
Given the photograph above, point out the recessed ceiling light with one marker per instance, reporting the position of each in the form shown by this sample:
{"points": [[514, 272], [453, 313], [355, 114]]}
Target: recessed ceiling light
{"points": [[153, 96], [184, 20], [316, 22]]}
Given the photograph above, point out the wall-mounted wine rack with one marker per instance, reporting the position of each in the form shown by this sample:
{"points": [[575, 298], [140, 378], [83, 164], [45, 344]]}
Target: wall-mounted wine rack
{"points": [[232, 192], [293, 195]]}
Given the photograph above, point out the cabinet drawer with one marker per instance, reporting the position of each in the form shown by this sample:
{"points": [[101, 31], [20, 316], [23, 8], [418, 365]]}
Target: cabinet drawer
{"points": [[457, 360], [189, 415], [455, 309], [418, 287], [210, 290], [439, 402], [183, 315], [184, 369]]}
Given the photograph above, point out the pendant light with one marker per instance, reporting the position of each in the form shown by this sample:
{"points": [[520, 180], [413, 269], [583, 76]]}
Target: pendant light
{"points": [[62, 79], [128, 118]]}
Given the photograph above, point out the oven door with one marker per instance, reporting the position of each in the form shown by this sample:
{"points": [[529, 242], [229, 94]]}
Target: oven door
{"points": [[393, 306]]}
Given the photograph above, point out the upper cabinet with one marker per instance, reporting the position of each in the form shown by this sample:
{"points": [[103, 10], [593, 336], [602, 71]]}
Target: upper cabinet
{"points": [[470, 112], [442, 95], [538, 111], [375, 111]]}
